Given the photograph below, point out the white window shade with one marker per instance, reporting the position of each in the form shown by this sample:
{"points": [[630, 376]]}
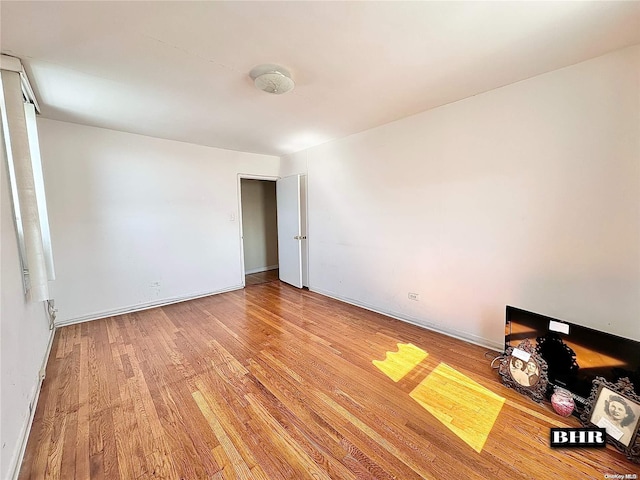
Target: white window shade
{"points": [[25, 191], [38, 181]]}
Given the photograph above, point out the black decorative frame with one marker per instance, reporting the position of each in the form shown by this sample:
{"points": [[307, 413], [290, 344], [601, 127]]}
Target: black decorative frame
{"points": [[537, 390], [622, 388], [560, 357]]}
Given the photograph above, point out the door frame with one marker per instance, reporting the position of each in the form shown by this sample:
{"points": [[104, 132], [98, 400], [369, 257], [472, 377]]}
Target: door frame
{"points": [[246, 176]]}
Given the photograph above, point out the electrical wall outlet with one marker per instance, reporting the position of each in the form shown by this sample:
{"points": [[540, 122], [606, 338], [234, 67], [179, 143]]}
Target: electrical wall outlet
{"points": [[413, 296], [154, 290]]}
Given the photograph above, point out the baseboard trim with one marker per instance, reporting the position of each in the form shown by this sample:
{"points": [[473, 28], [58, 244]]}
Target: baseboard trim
{"points": [[261, 269], [142, 306], [34, 402], [465, 337]]}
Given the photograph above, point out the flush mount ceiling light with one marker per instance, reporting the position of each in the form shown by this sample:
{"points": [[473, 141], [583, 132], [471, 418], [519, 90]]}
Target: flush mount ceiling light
{"points": [[272, 79]]}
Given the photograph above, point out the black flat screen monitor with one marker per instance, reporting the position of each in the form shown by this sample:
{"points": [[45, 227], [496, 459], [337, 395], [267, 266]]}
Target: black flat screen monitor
{"points": [[597, 354]]}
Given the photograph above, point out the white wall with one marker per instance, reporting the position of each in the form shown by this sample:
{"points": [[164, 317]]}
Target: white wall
{"points": [[137, 221], [293, 164], [259, 225], [526, 195], [24, 338]]}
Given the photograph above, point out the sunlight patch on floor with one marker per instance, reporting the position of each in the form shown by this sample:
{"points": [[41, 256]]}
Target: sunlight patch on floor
{"points": [[397, 364], [464, 406]]}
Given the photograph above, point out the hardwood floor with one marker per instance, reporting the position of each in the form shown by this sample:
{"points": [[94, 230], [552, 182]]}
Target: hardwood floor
{"points": [[274, 382], [261, 277]]}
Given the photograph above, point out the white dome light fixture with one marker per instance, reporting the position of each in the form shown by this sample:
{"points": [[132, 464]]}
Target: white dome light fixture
{"points": [[272, 79]]}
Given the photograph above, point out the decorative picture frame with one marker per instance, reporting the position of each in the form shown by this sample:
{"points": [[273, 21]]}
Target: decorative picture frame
{"points": [[523, 369], [615, 407]]}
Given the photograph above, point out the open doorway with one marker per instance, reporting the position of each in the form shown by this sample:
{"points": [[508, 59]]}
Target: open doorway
{"points": [[259, 230]]}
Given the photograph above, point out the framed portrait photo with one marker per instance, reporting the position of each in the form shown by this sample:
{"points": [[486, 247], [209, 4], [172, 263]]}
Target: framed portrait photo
{"points": [[616, 408], [524, 370]]}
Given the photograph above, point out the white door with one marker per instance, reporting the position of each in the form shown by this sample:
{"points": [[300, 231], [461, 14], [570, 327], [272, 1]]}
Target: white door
{"points": [[289, 230]]}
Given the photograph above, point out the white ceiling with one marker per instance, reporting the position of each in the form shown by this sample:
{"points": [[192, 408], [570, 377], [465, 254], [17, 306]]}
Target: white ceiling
{"points": [[180, 70]]}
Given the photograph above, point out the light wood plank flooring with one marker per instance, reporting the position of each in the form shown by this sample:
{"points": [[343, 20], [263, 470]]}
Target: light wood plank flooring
{"points": [[261, 277], [272, 382]]}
